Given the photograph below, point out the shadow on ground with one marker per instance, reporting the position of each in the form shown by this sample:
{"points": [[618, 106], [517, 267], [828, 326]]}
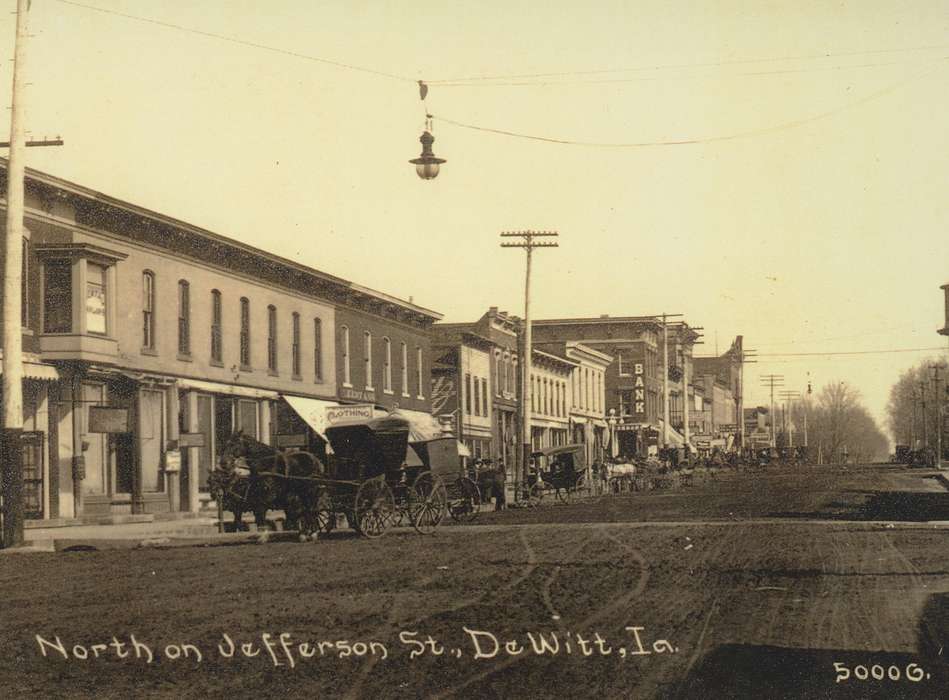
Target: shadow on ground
{"points": [[887, 505], [745, 671]]}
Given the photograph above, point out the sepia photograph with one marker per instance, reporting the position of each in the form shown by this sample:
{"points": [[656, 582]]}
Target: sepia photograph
{"points": [[370, 349]]}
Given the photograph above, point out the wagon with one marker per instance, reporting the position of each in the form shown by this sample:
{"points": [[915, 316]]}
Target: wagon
{"points": [[558, 472], [377, 478]]}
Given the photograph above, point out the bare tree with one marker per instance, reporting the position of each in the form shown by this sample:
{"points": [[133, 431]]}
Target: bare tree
{"points": [[911, 411], [842, 426]]}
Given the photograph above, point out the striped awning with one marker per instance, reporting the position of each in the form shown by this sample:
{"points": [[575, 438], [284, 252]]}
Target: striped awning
{"points": [[37, 370]]}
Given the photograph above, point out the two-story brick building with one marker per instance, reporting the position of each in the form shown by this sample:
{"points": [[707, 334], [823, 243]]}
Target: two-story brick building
{"points": [[150, 342]]}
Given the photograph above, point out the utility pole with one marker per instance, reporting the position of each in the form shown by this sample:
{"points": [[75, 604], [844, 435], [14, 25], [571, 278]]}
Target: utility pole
{"points": [[789, 397], [772, 381], [526, 240], [939, 399], [913, 433], [11, 452], [922, 412], [743, 356], [665, 383]]}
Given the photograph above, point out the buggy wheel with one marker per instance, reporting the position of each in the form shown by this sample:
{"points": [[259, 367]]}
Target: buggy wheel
{"points": [[536, 494], [565, 493], [428, 503], [325, 513], [465, 501], [583, 488], [373, 508]]}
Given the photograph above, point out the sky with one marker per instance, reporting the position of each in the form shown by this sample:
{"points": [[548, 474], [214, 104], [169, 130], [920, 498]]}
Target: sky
{"points": [[807, 210]]}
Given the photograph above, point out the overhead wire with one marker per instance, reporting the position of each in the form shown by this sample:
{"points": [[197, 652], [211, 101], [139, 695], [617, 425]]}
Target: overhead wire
{"points": [[241, 42], [845, 352]]}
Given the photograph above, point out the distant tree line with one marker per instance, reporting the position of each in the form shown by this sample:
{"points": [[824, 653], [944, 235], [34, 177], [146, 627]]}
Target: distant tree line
{"points": [[912, 414]]}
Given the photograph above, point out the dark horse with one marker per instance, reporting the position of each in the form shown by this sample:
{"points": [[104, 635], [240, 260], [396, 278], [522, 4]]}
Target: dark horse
{"points": [[256, 477]]}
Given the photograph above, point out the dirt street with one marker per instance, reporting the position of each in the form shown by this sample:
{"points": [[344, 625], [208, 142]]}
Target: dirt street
{"points": [[767, 585]]}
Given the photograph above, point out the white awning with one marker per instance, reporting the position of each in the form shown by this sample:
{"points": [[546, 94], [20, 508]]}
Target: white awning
{"points": [[422, 426], [313, 411], [228, 389], [37, 370]]}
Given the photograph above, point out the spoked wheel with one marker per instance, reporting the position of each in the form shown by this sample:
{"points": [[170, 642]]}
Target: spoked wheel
{"points": [[325, 513], [536, 494], [565, 494], [374, 507], [465, 501], [428, 503], [583, 488]]}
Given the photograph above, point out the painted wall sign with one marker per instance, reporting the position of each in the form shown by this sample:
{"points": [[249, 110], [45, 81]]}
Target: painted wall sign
{"points": [[345, 414]]}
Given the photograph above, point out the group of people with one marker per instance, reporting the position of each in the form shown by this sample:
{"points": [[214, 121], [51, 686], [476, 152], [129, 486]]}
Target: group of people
{"points": [[489, 476]]}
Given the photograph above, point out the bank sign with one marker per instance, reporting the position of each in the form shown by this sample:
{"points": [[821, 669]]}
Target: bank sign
{"points": [[639, 391]]}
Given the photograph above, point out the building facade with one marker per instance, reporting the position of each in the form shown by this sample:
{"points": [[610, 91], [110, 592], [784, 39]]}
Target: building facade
{"points": [[150, 342]]}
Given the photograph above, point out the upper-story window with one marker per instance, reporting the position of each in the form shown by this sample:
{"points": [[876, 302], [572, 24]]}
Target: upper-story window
{"points": [[318, 349], [295, 344], [387, 365], [272, 338], [344, 346], [96, 311], [57, 300], [184, 318], [418, 374], [405, 369], [484, 396], [367, 357], [217, 335], [245, 332], [468, 394], [497, 373], [148, 310]]}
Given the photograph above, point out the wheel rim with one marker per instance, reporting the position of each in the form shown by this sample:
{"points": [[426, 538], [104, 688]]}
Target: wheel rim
{"points": [[374, 508], [536, 493], [428, 503], [465, 506], [325, 514]]}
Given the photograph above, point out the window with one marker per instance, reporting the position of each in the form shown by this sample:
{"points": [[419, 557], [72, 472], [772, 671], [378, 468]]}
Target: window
{"points": [[418, 373], [477, 397], [387, 365], [272, 338], [497, 373], [148, 310], [25, 285], [484, 396], [623, 365], [295, 345], [367, 357], [405, 369], [468, 394], [95, 299], [245, 333], [344, 344], [184, 318], [318, 349], [57, 297], [217, 337]]}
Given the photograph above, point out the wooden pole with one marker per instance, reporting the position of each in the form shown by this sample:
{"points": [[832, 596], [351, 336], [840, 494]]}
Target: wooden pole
{"points": [[10, 447]]}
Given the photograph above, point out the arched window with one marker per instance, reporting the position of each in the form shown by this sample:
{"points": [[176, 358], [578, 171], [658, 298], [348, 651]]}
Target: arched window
{"points": [[217, 336], [245, 333], [148, 310], [367, 358], [405, 369], [387, 365], [272, 338], [295, 345], [344, 346], [317, 349], [184, 318]]}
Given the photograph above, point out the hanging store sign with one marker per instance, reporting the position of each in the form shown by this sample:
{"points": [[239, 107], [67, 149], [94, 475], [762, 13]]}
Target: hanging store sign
{"points": [[639, 390], [356, 395]]}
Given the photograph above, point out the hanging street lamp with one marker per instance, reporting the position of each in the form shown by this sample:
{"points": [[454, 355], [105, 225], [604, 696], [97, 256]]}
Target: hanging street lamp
{"points": [[427, 165]]}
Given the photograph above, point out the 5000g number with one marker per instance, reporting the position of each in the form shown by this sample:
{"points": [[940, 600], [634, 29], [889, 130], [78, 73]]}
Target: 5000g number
{"points": [[911, 672]]}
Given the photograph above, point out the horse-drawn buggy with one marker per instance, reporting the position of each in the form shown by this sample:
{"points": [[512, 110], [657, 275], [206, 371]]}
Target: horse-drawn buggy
{"points": [[558, 471], [379, 474]]}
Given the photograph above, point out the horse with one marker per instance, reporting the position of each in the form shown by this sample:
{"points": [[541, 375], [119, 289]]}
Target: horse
{"points": [[253, 476]]}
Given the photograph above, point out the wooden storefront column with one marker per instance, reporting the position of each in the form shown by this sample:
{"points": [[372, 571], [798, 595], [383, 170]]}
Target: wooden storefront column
{"points": [[265, 422], [194, 454], [172, 479]]}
